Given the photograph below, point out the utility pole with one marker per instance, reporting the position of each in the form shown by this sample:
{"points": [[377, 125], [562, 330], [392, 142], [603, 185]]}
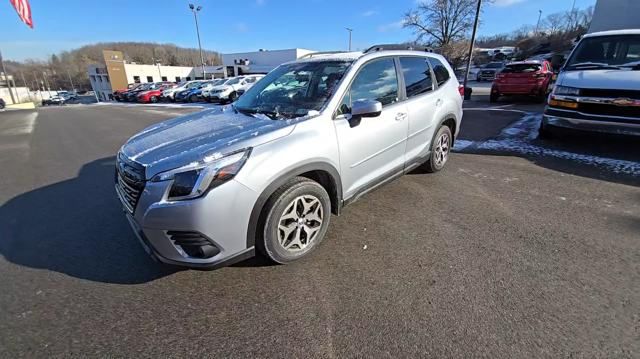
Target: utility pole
{"points": [[195, 11], [46, 83], [25, 85], [6, 79], [473, 42], [70, 80], [350, 31], [538, 24]]}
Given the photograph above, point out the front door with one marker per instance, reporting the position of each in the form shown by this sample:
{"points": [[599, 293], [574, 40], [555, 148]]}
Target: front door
{"points": [[374, 147]]}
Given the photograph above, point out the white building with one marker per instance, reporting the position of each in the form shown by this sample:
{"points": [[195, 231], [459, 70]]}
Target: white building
{"points": [[257, 62]]}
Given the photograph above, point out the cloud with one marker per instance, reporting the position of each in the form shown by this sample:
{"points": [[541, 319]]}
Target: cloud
{"points": [[241, 27], [369, 13], [504, 3], [391, 26]]}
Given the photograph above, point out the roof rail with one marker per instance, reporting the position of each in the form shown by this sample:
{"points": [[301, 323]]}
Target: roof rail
{"points": [[312, 54], [387, 47]]}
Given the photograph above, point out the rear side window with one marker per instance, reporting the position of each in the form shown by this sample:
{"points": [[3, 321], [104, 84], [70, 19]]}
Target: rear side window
{"points": [[442, 74], [521, 68], [417, 75]]}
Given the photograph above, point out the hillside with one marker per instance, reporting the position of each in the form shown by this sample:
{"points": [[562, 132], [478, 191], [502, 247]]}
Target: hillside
{"points": [[60, 67]]}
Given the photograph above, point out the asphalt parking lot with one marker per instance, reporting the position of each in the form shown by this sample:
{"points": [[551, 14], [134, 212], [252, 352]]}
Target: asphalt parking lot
{"points": [[520, 248]]}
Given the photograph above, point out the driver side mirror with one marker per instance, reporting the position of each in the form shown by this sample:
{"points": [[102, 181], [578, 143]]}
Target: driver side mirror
{"points": [[366, 108]]}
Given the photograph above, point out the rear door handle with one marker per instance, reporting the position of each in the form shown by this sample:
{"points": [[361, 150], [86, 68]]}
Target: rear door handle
{"points": [[401, 116]]}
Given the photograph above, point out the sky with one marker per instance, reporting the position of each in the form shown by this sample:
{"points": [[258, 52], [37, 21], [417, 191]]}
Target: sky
{"points": [[236, 26]]}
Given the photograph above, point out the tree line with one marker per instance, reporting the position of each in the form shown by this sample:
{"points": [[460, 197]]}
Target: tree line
{"points": [[60, 70]]}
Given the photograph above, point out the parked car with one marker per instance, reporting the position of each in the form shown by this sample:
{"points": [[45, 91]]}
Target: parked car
{"points": [[229, 91], [119, 95], [2, 104], [54, 100], [205, 94], [152, 95], [209, 188], [523, 78], [189, 95], [169, 94], [490, 70], [132, 96], [598, 89]]}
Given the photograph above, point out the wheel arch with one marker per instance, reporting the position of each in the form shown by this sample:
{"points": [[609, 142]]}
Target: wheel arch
{"points": [[323, 173]]}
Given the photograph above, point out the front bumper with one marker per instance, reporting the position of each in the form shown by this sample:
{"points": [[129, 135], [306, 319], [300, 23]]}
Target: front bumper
{"points": [[588, 122], [221, 216]]}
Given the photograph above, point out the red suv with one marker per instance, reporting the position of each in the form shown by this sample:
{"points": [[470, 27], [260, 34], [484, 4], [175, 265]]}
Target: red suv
{"points": [[523, 78]]}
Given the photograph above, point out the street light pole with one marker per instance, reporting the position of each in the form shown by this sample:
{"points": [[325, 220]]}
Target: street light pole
{"points": [[195, 11], [538, 24], [473, 42], [350, 31]]}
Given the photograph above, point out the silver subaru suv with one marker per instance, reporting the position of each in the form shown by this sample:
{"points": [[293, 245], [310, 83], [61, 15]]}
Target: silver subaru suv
{"points": [[314, 135]]}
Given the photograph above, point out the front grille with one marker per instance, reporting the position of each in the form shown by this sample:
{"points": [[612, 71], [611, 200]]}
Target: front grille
{"points": [[610, 93], [609, 110], [130, 181]]}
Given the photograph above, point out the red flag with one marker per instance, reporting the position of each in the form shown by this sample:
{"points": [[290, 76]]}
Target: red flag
{"points": [[24, 11]]}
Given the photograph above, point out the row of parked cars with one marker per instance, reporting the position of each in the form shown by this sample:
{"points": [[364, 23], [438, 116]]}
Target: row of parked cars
{"points": [[216, 90]]}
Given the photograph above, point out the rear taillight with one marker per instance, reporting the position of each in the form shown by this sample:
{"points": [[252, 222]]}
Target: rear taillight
{"points": [[461, 90]]}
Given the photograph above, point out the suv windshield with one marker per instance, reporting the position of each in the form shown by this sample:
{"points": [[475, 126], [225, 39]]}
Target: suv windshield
{"points": [[605, 52], [234, 81], [293, 90], [193, 84], [521, 68], [493, 65]]}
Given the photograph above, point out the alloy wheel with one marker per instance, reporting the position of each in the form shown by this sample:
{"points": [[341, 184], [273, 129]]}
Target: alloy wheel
{"points": [[300, 223], [442, 150]]}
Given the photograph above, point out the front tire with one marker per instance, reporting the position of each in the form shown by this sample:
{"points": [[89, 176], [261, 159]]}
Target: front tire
{"points": [[440, 150], [154, 99], [297, 219], [493, 97], [544, 131]]}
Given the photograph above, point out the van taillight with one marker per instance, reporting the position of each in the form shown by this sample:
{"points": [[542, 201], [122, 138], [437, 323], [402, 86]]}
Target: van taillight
{"points": [[461, 90]]}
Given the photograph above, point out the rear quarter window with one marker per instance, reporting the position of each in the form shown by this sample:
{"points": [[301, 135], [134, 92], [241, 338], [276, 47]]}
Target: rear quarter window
{"points": [[440, 70]]}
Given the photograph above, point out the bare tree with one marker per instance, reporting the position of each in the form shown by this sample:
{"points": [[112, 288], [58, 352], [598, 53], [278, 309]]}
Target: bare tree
{"points": [[441, 22], [555, 22]]}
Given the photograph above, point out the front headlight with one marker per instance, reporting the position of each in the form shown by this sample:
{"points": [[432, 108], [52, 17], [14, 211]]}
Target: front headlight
{"points": [[566, 90], [196, 179]]}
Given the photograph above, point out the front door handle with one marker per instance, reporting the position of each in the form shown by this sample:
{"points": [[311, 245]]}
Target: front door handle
{"points": [[401, 116]]}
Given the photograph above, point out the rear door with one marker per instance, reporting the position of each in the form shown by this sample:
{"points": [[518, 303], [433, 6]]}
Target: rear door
{"points": [[422, 102], [373, 148]]}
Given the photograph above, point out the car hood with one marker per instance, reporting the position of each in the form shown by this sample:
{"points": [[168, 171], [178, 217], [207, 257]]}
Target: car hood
{"points": [[601, 79], [183, 140]]}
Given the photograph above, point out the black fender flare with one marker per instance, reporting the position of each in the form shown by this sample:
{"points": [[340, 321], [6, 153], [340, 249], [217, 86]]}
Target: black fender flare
{"points": [[256, 212]]}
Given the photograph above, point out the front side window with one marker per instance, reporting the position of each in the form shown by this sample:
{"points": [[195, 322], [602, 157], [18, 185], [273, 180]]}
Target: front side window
{"points": [[441, 72], [417, 75], [376, 81], [293, 90]]}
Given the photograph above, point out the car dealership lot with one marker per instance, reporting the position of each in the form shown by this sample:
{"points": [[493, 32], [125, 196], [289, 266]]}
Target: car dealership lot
{"points": [[520, 248]]}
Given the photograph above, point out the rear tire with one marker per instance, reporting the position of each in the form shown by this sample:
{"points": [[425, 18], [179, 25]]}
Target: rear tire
{"points": [[233, 96], [297, 218], [193, 98], [440, 150], [493, 97], [154, 99]]}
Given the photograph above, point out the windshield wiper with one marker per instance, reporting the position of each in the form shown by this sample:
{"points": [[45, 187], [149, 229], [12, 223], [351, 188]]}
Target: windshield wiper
{"points": [[597, 65], [635, 65]]}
